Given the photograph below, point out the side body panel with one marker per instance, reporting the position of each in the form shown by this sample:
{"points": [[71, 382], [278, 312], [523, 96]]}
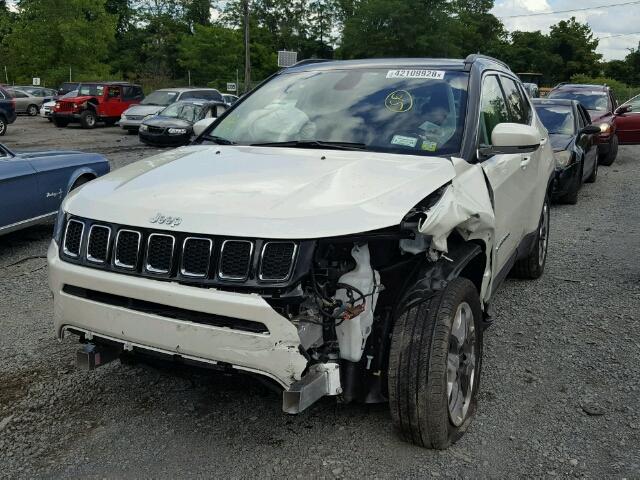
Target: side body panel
{"points": [[18, 184]]}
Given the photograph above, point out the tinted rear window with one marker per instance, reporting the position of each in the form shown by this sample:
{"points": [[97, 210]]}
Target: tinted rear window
{"points": [[558, 119], [597, 100]]}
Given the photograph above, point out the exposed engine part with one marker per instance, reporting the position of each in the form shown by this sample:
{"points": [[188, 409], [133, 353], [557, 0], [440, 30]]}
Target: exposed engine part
{"points": [[356, 311], [321, 379]]}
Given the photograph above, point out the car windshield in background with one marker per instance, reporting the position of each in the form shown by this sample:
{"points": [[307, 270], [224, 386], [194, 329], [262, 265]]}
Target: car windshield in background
{"points": [[97, 90], [591, 100], [418, 111], [160, 98], [184, 111], [72, 93], [558, 119]]}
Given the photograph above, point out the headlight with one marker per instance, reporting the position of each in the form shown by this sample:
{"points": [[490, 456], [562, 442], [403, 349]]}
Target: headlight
{"points": [[605, 127], [123, 117], [143, 128], [177, 131], [59, 226], [563, 158], [75, 105]]}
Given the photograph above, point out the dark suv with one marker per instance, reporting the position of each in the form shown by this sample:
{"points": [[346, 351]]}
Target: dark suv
{"points": [[601, 103], [7, 110]]}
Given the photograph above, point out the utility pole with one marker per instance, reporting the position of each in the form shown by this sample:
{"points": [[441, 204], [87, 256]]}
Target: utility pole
{"points": [[247, 53]]}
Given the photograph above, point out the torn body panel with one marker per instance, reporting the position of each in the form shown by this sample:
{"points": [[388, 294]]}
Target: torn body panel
{"points": [[465, 207]]}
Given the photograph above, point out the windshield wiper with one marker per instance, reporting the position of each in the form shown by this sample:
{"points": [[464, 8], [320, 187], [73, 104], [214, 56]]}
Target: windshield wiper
{"points": [[218, 140], [314, 144]]}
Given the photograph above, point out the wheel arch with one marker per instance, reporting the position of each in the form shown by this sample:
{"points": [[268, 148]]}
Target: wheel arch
{"points": [[81, 173]]}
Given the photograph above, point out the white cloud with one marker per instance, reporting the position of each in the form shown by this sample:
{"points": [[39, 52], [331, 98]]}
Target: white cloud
{"points": [[603, 22]]}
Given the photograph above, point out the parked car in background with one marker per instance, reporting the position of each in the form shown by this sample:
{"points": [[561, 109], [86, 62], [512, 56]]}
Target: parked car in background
{"points": [[575, 145], [46, 110], [341, 231], [601, 104], [47, 94], [628, 121], [532, 90], [230, 99], [158, 100], [173, 126], [7, 110], [97, 102], [26, 102], [33, 184], [67, 87]]}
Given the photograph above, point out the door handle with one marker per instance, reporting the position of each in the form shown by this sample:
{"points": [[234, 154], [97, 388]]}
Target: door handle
{"points": [[525, 161]]}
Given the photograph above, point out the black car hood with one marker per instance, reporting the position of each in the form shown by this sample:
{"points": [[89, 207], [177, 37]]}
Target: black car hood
{"points": [[160, 121], [560, 141]]}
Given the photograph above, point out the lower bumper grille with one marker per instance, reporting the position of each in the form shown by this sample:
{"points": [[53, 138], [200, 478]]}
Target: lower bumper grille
{"points": [[166, 311]]}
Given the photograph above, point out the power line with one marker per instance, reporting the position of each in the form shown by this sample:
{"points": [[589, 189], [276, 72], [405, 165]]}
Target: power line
{"points": [[536, 14], [618, 35]]}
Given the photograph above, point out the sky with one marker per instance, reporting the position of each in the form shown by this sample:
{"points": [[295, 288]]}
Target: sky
{"points": [[603, 21]]}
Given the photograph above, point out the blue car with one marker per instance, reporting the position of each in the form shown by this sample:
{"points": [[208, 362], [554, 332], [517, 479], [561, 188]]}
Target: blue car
{"points": [[33, 184]]}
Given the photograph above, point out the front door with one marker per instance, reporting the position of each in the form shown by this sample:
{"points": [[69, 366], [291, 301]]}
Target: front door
{"points": [[20, 196], [505, 175], [113, 102], [628, 124]]}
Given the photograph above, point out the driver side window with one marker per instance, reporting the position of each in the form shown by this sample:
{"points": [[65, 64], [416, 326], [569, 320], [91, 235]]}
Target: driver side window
{"points": [[493, 109]]}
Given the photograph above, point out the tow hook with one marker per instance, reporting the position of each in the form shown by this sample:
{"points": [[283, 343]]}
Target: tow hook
{"points": [[92, 356], [322, 379]]}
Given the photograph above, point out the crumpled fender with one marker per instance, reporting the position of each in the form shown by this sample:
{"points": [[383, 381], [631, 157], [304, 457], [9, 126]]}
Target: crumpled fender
{"points": [[465, 206]]}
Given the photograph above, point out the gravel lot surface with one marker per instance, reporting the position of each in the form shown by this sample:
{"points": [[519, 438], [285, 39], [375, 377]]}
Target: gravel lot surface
{"points": [[560, 393]]}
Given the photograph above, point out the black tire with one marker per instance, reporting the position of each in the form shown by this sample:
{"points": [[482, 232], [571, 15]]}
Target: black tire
{"points": [[60, 122], [422, 344], [50, 119], [88, 119], [32, 110], [608, 158], [532, 266], [594, 173], [3, 126], [571, 198]]}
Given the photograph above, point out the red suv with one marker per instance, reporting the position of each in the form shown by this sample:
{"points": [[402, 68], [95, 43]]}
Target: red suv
{"points": [[96, 102], [601, 103]]}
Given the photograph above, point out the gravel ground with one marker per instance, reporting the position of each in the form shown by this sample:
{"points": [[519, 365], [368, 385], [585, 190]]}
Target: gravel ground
{"points": [[560, 392]]}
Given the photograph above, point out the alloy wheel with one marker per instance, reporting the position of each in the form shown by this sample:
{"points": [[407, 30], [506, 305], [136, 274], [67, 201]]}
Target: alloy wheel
{"points": [[461, 363], [543, 234]]}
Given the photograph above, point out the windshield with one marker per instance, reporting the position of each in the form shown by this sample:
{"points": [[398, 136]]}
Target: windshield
{"points": [[97, 90], [558, 119], [591, 100], [72, 93], [160, 98], [184, 111], [417, 111]]}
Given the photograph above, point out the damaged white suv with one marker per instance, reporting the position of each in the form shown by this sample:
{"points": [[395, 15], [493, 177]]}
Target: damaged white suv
{"points": [[341, 230]]}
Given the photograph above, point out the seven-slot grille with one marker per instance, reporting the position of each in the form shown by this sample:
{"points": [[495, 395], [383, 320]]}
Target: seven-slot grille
{"points": [[168, 254]]}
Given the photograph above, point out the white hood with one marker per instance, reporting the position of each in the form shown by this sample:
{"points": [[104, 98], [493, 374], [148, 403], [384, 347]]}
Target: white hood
{"points": [[143, 109], [264, 192]]}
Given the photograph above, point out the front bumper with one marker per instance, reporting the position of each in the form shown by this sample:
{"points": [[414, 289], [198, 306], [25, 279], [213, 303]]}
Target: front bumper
{"points": [[70, 116], [45, 112], [129, 124], [275, 355], [164, 139], [565, 180]]}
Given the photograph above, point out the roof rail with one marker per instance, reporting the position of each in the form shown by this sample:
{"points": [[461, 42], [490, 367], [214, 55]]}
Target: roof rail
{"points": [[476, 56], [307, 61]]}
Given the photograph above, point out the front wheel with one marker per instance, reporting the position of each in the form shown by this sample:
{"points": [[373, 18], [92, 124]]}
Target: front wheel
{"points": [[608, 158], [594, 173], [88, 119], [32, 110], [434, 364], [532, 266]]}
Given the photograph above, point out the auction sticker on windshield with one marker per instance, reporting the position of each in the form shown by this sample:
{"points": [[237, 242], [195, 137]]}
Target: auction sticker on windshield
{"points": [[427, 74]]}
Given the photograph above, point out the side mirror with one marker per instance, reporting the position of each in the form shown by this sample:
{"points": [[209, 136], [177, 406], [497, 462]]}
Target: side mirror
{"points": [[201, 125], [220, 109], [509, 138], [590, 130], [623, 109]]}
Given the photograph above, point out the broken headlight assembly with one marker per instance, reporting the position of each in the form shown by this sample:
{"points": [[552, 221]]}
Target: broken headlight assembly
{"points": [[563, 158]]}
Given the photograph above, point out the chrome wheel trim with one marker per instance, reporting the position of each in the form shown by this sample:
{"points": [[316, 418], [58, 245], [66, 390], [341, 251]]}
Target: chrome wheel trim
{"points": [[91, 120], [461, 364], [33, 111], [543, 234], [3, 127]]}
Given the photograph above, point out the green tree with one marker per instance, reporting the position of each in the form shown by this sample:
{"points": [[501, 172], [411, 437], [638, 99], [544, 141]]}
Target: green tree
{"points": [[575, 44], [77, 34]]}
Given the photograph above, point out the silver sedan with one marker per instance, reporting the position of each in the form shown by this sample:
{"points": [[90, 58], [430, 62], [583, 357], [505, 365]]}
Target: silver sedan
{"points": [[26, 102]]}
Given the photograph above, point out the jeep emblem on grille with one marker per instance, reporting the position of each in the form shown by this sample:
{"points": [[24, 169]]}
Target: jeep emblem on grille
{"points": [[162, 220]]}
